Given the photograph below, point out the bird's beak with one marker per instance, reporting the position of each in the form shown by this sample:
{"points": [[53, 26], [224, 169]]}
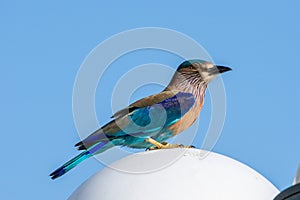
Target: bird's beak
{"points": [[217, 69], [213, 71], [222, 69]]}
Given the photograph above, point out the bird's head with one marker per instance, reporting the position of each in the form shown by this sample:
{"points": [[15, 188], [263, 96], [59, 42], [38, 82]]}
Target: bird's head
{"points": [[200, 70]]}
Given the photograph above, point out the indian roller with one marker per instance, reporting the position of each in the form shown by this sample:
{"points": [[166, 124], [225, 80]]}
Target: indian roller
{"points": [[149, 122]]}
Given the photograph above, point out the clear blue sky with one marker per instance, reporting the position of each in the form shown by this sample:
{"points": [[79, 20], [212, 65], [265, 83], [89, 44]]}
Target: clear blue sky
{"points": [[44, 43]]}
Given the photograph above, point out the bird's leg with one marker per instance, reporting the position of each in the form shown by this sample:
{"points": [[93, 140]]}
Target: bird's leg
{"points": [[155, 143], [164, 145]]}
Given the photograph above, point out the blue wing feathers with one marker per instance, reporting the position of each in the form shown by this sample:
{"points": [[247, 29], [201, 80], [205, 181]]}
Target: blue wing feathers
{"points": [[174, 107], [168, 111]]}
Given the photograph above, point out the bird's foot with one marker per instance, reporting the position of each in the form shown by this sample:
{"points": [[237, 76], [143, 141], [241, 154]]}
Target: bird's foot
{"points": [[164, 145]]}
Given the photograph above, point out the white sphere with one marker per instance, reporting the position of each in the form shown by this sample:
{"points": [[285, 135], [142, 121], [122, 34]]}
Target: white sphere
{"points": [[147, 176]]}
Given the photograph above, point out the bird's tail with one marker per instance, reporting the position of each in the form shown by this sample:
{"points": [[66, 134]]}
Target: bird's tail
{"points": [[78, 159]]}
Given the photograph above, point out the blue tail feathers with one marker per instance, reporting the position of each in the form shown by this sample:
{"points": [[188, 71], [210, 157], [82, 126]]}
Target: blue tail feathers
{"points": [[70, 165], [76, 160]]}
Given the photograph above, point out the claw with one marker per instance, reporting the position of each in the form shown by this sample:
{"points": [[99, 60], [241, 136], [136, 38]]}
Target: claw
{"points": [[151, 148], [191, 146]]}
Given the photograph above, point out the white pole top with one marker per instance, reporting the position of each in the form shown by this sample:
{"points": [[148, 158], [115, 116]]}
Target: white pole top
{"points": [[189, 176]]}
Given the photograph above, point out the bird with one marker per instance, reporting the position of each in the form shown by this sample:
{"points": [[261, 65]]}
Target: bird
{"points": [[150, 121]]}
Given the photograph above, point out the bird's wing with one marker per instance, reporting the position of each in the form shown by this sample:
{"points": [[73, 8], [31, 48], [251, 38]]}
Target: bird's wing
{"points": [[143, 116], [147, 101]]}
